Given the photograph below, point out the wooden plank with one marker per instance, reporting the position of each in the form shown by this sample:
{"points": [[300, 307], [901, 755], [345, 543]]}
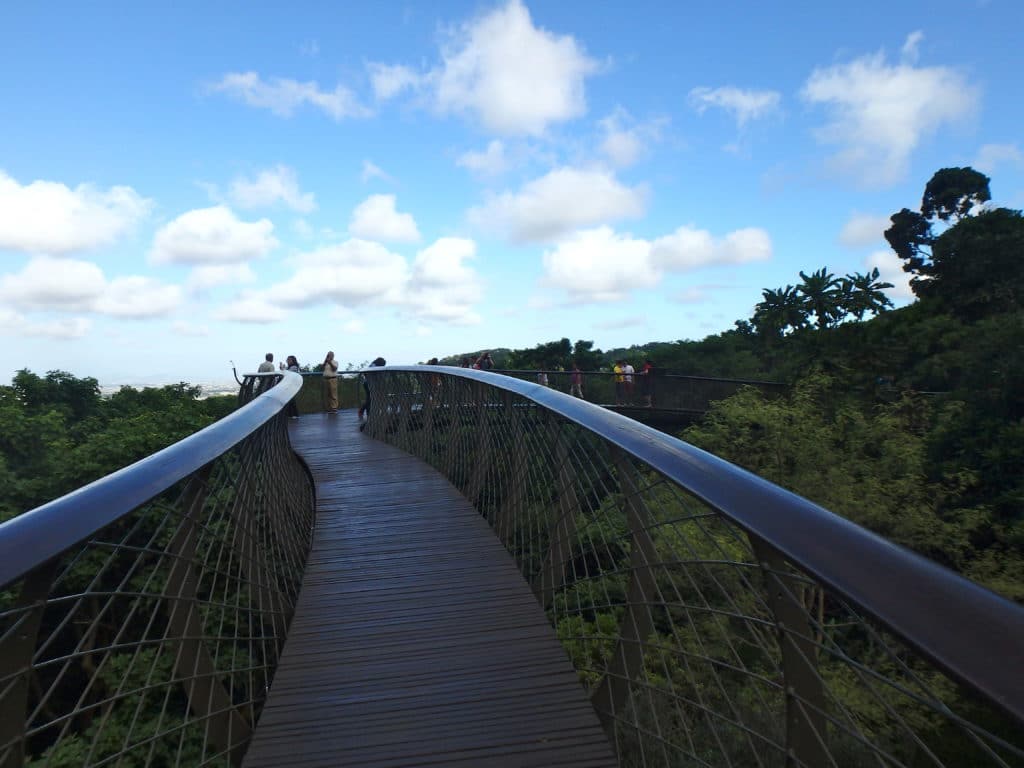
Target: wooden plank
{"points": [[416, 641]]}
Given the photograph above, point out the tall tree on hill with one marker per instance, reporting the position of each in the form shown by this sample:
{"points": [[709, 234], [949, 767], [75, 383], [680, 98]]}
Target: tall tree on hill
{"points": [[780, 310], [863, 294], [822, 295], [973, 267]]}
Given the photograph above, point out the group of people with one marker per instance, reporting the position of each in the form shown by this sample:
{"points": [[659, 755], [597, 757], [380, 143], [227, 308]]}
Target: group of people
{"points": [[482, 363], [330, 382], [624, 373]]}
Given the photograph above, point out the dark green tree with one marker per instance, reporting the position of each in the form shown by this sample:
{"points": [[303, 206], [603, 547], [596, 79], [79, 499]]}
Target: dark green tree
{"points": [[953, 193], [780, 309], [821, 293], [864, 294]]}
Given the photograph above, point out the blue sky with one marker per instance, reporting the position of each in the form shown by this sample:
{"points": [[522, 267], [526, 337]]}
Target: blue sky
{"points": [[191, 183]]}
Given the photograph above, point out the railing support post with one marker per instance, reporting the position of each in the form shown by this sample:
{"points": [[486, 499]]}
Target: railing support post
{"points": [[17, 647], [637, 625], [806, 729], [207, 697], [563, 528]]}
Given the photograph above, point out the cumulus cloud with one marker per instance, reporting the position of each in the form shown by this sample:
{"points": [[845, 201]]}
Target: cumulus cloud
{"points": [[910, 52], [212, 236], [138, 297], [690, 248], [251, 308], [210, 276], [864, 229], [514, 77], [625, 139], [600, 265], [354, 273], [443, 286], [274, 185], [992, 156], [560, 201], [50, 217], [489, 162], [389, 80], [283, 96], [376, 219], [880, 113], [743, 105], [73, 285], [62, 329]]}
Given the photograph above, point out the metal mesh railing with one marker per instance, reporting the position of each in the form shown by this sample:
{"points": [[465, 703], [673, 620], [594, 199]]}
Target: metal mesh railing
{"points": [[141, 617], [671, 392], [716, 619]]}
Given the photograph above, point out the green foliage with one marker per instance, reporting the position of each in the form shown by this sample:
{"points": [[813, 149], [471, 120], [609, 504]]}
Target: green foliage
{"points": [[58, 433]]}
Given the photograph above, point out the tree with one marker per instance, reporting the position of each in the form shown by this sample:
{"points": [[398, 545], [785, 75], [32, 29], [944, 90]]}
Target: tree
{"points": [[862, 294], [954, 193], [951, 193], [821, 293], [780, 309]]}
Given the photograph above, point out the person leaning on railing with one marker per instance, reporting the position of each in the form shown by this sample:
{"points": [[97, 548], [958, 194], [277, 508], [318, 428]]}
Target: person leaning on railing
{"points": [[330, 383], [364, 409]]}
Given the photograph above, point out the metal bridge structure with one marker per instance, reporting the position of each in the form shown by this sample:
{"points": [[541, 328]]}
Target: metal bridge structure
{"points": [[492, 572]]}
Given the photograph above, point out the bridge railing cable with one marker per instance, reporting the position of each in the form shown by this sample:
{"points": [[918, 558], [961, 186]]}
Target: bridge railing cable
{"points": [[142, 616], [716, 619]]}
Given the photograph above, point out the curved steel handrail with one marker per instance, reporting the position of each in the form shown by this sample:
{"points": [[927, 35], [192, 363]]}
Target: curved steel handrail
{"points": [[941, 614], [36, 536]]}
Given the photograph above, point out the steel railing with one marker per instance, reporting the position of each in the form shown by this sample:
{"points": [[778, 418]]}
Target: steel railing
{"points": [[717, 619], [142, 616]]}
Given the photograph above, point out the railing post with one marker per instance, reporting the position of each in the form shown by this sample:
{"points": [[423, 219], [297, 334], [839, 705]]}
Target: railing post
{"points": [[207, 698], [637, 625], [482, 452], [563, 529], [515, 491], [17, 647], [806, 729]]}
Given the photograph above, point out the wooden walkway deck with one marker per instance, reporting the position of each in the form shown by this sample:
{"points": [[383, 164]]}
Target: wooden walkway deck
{"points": [[415, 641]]}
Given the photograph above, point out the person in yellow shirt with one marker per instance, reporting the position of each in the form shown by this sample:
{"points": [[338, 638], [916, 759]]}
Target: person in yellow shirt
{"points": [[620, 381]]}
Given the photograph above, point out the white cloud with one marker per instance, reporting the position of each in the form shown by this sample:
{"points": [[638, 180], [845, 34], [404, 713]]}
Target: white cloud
{"points": [[72, 285], [880, 113], [210, 276], [625, 140], [138, 297], [49, 217], [253, 308], [371, 171], [690, 248], [442, 286], [65, 328], [516, 78], [283, 96], [269, 187], [489, 162], [910, 52], [389, 80], [354, 326], [212, 236], [992, 156], [864, 229], [744, 105], [376, 219], [890, 270], [46, 282], [598, 265], [354, 273], [562, 200]]}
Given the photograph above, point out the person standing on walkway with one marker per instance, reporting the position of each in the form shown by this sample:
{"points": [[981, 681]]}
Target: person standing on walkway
{"points": [[364, 409], [330, 383], [267, 366], [576, 381]]}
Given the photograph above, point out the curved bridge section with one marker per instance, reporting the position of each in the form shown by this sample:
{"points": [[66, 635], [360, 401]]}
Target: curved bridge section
{"points": [[142, 617], [714, 618]]}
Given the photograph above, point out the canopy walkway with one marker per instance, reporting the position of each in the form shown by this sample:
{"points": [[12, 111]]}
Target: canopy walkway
{"points": [[493, 573]]}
